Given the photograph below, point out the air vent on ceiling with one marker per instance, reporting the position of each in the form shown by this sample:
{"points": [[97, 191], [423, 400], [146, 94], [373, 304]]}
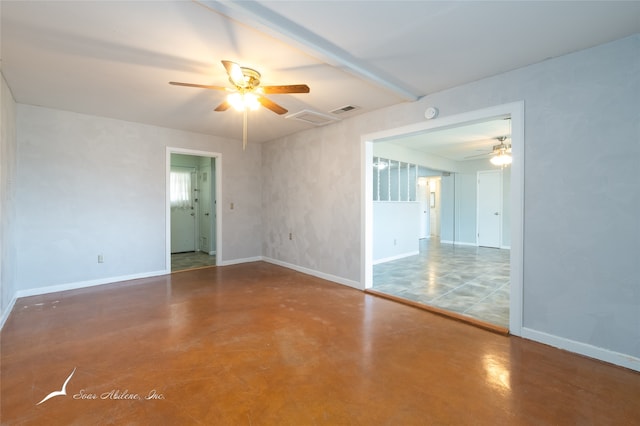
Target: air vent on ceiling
{"points": [[312, 117], [344, 109]]}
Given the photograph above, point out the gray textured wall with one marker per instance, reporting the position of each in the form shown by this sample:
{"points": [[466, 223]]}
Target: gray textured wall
{"points": [[89, 185], [581, 201]]}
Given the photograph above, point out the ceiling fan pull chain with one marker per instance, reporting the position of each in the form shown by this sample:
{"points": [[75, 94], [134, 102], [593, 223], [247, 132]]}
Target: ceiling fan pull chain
{"points": [[244, 130]]}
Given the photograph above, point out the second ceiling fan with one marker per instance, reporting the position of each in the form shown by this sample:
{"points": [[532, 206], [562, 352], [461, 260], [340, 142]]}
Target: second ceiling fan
{"points": [[247, 93]]}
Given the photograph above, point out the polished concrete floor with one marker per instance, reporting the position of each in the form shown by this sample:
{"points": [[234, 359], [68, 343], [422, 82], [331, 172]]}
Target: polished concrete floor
{"points": [[258, 344], [191, 260], [472, 281]]}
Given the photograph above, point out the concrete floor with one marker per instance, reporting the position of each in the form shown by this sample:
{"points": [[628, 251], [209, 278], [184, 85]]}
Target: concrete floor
{"points": [[258, 344]]}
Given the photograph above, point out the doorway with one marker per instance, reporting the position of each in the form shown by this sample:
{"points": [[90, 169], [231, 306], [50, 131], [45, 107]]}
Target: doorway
{"points": [[451, 271], [193, 225], [516, 183]]}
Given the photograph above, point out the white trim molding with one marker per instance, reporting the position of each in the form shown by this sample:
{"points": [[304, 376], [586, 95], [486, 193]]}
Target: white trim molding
{"points": [[84, 284], [458, 243], [312, 272], [585, 349], [218, 170], [239, 261], [7, 311]]}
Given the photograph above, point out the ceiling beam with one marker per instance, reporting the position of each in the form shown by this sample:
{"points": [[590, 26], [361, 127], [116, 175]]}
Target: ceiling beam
{"points": [[266, 20]]}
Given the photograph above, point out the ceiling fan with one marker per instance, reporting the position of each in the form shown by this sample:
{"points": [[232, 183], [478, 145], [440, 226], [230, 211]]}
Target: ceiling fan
{"points": [[247, 93], [501, 153]]}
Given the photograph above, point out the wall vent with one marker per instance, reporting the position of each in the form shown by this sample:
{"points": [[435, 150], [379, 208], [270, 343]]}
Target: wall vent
{"points": [[344, 109], [312, 117]]}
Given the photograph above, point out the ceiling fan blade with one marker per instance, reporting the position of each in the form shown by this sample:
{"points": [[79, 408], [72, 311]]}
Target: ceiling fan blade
{"points": [[272, 105], [292, 88], [223, 106], [235, 73], [201, 86], [479, 155]]}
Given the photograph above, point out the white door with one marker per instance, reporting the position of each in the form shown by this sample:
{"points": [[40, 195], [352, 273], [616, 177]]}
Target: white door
{"points": [[183, 217], [434, 206], [423, 199], [490, 208]]}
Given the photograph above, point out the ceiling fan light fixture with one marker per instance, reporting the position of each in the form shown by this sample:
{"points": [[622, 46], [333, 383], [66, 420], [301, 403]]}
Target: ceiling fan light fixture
{"points": [[502, 159], [243, 101]]}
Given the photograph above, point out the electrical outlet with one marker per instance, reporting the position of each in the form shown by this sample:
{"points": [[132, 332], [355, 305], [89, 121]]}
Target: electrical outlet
{"points": [[100, 259], [291, 235], [231, 206]]}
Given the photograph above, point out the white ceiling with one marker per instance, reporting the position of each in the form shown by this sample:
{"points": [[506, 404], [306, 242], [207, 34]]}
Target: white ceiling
{"points": [[115, 58], [460, 143]]}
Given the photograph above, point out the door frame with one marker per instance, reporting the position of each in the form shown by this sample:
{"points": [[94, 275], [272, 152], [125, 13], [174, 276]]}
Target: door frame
{"points": [[516, 111], [218, 163]]}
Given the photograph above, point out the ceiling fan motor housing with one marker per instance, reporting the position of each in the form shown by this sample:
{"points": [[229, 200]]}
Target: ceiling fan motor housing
{"points": [[251, 78]]}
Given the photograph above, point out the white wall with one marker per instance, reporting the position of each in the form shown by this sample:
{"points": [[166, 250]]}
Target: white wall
{"points": [[460, 213], [88, 185], [396, 229], [466, 207], [581, 200], [8, 163]]}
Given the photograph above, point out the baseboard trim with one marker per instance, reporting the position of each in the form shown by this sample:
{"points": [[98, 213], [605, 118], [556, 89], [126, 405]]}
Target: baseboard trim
{"points": [[399, 256], [238, 261], [585, 349], [318, 274], [83, 284], [458, 243], [7, 311]]}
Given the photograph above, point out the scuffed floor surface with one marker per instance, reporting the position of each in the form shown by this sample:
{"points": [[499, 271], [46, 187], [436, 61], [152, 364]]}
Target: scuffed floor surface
{"points": [[257, 344]]}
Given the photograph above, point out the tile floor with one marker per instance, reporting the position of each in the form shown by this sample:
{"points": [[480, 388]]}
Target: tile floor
{"points": [[191, 260], [472, 281]]}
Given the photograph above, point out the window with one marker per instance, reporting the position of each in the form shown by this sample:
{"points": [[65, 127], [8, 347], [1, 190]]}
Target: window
{"points": [[394, 180], [180, 189]]}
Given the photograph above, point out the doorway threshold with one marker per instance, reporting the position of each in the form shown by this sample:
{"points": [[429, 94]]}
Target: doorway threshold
{"points": [[195, 268], [442, 312]]}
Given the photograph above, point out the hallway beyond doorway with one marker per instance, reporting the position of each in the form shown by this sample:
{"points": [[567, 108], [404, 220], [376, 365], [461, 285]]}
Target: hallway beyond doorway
{"points": [[468, 280], [191, 260]]}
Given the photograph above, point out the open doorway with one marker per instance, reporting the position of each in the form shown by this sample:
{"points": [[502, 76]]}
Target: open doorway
{"points": [[193, 225], [454, 200], [462, 264]]}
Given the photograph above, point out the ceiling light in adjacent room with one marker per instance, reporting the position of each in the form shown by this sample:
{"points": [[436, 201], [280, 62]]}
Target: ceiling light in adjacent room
{"points": [[502, 159], [380, 165]]}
